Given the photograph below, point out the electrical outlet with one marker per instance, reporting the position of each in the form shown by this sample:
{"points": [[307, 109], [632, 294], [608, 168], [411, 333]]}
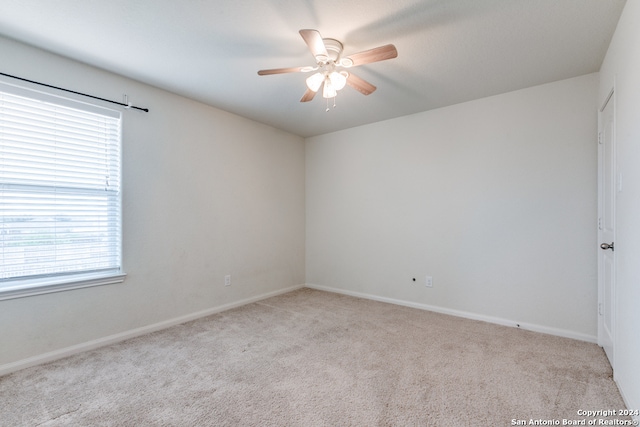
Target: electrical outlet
{"points": [[429, 282], [227, 280]]}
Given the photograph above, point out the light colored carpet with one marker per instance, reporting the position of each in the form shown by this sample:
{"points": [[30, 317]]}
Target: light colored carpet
{"points": [[311, 358]]}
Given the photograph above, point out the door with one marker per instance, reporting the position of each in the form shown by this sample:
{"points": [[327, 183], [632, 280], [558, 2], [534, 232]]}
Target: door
{"points": [[607, 187]]}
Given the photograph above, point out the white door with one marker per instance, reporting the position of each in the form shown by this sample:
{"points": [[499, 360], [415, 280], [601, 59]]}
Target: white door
{"points": [[607, 187]]}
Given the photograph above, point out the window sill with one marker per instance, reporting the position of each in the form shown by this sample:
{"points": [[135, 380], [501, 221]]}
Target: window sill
{"points": [[27, 288]]}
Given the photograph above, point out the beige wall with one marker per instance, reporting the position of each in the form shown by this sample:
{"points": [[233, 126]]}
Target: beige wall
{"points": [[205, 194], [494, 198]]}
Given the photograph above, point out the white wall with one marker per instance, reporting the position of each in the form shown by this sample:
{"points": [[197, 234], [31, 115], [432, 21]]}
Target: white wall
{"points": [[494, 198], [622, 68], [205, 193]]}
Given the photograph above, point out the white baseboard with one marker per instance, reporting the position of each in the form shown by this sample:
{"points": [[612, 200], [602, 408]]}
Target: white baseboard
{"points": [[112, 339], [467, 315], [627, 403]]}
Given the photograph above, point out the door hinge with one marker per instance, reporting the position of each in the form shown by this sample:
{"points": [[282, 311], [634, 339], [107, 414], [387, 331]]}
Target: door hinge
{"points": [[600, 309], [599, 223], [599, 137]]}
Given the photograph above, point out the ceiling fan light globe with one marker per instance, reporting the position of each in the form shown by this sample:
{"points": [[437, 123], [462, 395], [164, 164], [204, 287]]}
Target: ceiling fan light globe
{"points": [[314, 81], [338, 80]]}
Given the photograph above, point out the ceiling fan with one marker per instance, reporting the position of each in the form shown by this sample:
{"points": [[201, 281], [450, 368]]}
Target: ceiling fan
{"points": [[328, 56]]}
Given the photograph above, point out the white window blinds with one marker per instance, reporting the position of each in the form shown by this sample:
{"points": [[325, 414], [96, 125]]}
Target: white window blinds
{"points": [[59, 186]]}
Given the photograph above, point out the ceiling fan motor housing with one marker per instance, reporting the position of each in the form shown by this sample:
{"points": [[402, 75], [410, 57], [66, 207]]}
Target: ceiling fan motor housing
{"points": [[334, 49]]}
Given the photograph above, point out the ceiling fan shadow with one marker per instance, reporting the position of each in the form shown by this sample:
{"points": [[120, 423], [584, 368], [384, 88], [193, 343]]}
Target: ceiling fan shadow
{"points": [[296, 15], [421, 16], [393, 85], [253, 47]]}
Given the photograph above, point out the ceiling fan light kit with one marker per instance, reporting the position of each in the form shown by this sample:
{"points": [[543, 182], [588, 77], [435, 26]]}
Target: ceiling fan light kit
{"points": [[327, 53]]}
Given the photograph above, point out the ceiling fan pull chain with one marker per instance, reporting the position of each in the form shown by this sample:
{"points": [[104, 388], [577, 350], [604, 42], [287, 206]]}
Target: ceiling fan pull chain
{"points": [[334, 104]]}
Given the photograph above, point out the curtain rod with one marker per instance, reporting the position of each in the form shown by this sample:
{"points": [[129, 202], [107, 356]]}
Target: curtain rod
{"points": [[146, 110]]}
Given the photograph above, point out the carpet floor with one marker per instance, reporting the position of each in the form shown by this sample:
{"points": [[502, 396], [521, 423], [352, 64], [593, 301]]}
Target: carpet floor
{"points": [[312, 358]]}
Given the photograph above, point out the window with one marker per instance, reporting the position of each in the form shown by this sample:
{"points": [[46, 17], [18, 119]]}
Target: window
{"points": [[60, 219]]}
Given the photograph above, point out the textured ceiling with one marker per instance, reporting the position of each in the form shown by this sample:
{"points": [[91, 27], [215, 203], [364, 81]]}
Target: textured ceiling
{"points": [[449, 51]]}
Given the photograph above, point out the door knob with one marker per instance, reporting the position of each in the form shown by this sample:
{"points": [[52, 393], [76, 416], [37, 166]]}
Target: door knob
{"points": [[606, 246]]}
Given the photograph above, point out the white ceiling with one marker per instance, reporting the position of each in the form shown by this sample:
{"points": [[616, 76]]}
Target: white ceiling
{"points": [[449, 51]]}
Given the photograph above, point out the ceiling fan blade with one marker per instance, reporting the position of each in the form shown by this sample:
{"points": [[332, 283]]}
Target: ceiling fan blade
{"points": [[285, 70], [372, 55], [315, 42], [362, 86], [308, 96]]}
